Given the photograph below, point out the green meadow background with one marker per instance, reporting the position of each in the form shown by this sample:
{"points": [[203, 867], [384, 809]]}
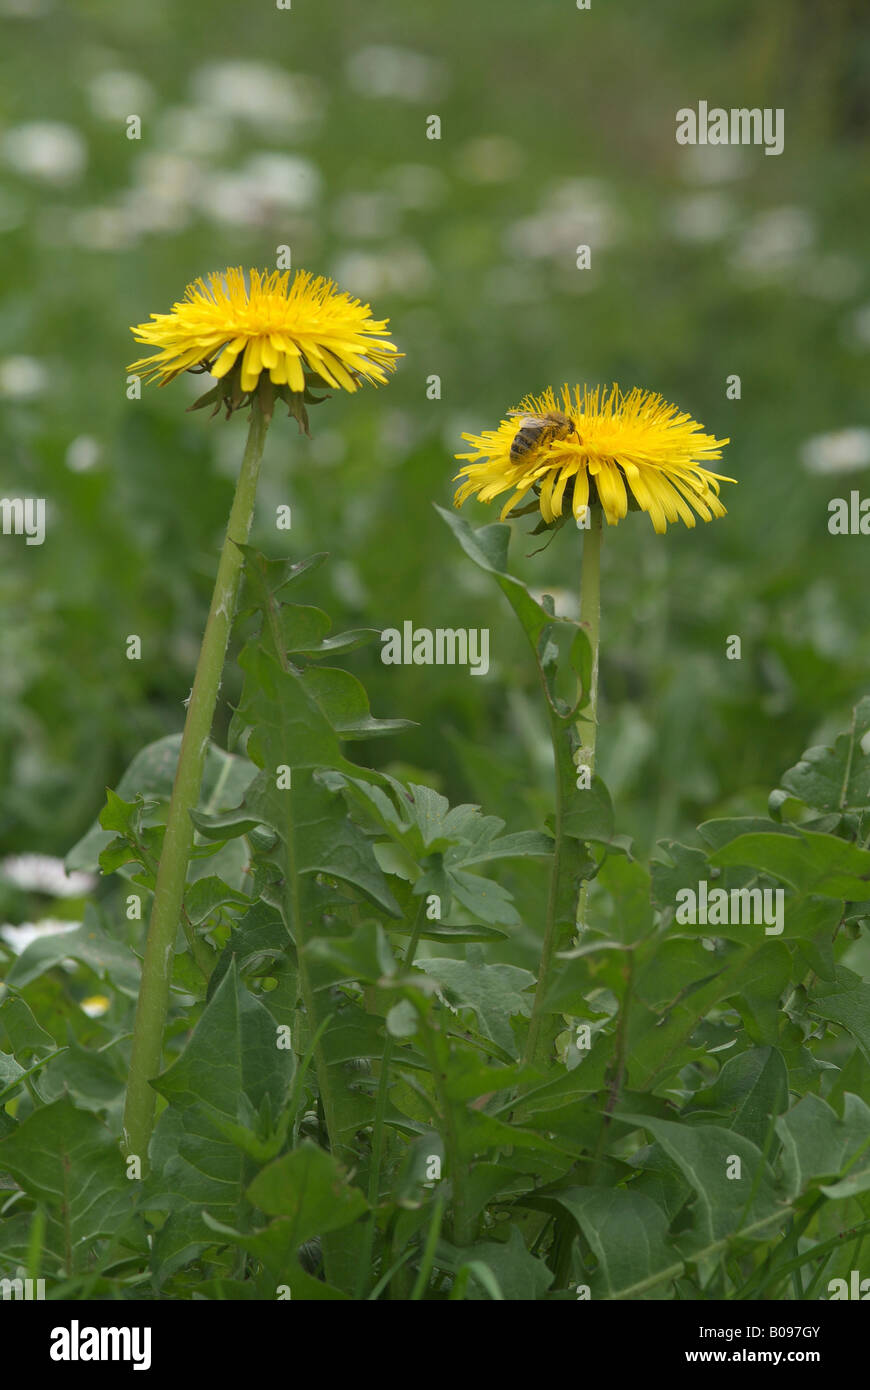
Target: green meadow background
{"points": [[307, 128]]}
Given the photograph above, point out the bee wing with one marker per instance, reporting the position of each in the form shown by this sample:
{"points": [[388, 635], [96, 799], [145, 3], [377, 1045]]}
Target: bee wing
{"points": [[525, 417]]}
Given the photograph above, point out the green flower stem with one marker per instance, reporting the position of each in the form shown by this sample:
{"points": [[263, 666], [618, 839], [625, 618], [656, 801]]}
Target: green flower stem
{"points": [[380, 1118], [339, 1247], [590, 617], [297, 930], [152, 1008], [461, 1227], [313, 1014], [537, 1042]]}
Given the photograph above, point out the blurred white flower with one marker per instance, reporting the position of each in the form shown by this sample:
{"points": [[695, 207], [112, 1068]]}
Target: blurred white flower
{"points": [[843, 451], [859, 326], [416, 186], [701, 217], [194, 130], [114, 95], [21, 378], [400, 268], [490, 159], [103, 229], [348, 584], [42, 873], [365, 215], [25, 9], [261, 94], [381, 70], [832, 277], [46, 150], [268, 183], [19, 938], [83, 454], [164, 190], [712, 163], [565, 601], [455, 426], [573, 213], [774, 241]]}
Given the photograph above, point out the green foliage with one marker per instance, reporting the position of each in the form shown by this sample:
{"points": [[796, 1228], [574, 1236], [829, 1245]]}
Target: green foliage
{"points": [[344, 1111]]}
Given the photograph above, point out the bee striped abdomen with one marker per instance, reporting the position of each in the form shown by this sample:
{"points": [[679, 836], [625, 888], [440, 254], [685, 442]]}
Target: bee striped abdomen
{"points": [[537, 431], [528, 439]]}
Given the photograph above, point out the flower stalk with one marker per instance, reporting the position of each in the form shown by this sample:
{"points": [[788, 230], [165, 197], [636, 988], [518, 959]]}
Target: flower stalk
{"points": [[153, 1003], [561, 898], [590, 620]]}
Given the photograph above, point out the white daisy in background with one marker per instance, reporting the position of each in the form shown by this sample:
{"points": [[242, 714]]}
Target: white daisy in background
{"points": [[42, 873]]}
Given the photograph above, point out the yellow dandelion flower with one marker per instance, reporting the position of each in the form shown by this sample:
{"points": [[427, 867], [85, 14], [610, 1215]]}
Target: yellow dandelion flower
{"points": [[268, 325], [623, 450]]}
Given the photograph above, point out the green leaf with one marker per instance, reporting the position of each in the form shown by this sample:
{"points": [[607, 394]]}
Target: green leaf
{"points": [[265, 579], [486, 846], [627, 1233], [232, 1057], [21, 1032], [308, 1188], [230, 1073], [519, 1276], [626, 915], [289, 728], [810, 862], [749, 1092], [117, 814], [402, 1020], [346, 705], [276, 1248], [68, 1159], [845, 1001], [588, 814], [678, 987], [818, 1144], [488, 548], [678, 866], [496, 993], [151, 775], [95, 1080], [483, 898], [718, 833], [258, 938], [724, 1207], [433, 844], [838, 778], [110, 960], [311, 820], [209, 893], [10, 1076], [364, 956]]}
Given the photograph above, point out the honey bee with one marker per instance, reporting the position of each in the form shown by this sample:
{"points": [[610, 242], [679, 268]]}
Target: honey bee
{"points": [[537, 431]]}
